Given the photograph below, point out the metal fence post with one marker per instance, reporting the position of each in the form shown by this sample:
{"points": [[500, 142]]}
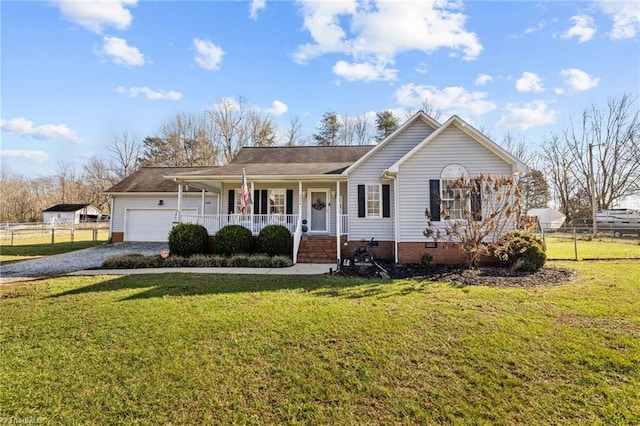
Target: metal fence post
{"points": [[72, 235], [95, 236], [53, 233], [575, 244], [11, 238]]}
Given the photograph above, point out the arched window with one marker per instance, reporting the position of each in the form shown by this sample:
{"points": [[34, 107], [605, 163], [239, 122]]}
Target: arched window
{"points": [[453, 201]]}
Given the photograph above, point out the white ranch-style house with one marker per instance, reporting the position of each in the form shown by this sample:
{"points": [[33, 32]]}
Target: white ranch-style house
{"points": [[331, 198]]}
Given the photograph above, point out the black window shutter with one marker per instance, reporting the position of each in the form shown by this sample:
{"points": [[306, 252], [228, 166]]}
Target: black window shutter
{"points": [[289, 202], [434, 199], [232, 201], [361, 201], [386, 201], [476, 202], [264, 202], [256, 201]]}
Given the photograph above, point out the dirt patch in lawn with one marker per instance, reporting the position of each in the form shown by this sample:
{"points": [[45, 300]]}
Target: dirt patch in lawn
{"points": [[486, 276]]}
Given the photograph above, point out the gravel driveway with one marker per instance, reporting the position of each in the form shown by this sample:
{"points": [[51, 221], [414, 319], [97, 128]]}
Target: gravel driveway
{"points": [[73, 261]]}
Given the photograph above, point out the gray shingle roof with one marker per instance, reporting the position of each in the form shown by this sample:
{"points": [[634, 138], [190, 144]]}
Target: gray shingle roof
{"points": [[288, 161], [151, 179], [66, 207]]}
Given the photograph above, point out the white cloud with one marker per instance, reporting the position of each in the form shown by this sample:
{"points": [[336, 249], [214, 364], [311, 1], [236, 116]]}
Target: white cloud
{"points": [[120, 52], [374, 33], [625, 16], [529, 82], [277, 108], [583, 28], [208, 55], [530, 115], [256, 6], [540, 25], [422, 68], [453, 100], [151, 94], [579, 80], [23, 127], [38, 157], [95, 15], [364, 71], [483, 79]]}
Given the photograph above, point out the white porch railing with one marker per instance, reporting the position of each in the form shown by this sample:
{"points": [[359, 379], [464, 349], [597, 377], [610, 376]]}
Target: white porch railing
{"points": [[255, 223]]}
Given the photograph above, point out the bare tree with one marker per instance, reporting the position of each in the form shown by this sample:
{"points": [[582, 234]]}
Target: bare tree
{"points": [[98, 176], [558, 166], [610, 136], [362, 130], [293, 133], [228, 116], [262, 128], [125, 151], [426, 107]]}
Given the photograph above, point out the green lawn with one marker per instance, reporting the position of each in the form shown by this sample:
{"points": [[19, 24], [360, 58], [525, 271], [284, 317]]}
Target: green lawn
{"points": [[219, 349], [561, 246]]}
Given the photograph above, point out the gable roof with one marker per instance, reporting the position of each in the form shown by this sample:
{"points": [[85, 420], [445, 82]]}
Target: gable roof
{"points": [[151, 179], [470, 131], [420, 115], [291, 161], [67, 207]]}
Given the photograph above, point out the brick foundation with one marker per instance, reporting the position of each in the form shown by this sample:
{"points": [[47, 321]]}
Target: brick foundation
{"points": [[117, 237], [383, 251], [444, 253]]}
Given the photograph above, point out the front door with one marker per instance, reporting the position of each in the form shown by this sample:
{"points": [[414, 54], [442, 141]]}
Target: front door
{"points": [[319, 211]]}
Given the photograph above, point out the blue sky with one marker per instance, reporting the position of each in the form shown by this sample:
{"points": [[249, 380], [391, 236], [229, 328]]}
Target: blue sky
{"points": [[77, 74]]}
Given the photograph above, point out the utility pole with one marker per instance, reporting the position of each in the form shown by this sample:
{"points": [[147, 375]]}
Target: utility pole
{"points": [[592, 185]]}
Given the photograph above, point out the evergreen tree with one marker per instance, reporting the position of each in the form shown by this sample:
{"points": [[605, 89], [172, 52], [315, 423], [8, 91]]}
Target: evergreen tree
{"points": [[328, 130], [386, 123]]}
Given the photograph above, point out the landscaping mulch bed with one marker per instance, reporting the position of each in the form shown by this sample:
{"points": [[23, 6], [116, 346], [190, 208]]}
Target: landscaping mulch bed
{"points": [[485, 276]]}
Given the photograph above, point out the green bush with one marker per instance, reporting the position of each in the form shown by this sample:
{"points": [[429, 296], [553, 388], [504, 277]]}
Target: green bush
{"points": [[522, 251], [174, 261], [132, 261], [281, 262], [239, 261], [186, 239], [274, 240], [233, 239], [426, 260]]}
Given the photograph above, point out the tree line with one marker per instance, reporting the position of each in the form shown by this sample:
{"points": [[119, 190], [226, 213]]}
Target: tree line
{"points": [[559, 176]]}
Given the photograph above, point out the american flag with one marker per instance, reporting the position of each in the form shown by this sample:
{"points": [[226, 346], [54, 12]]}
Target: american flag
{"points": [[245, 200]]}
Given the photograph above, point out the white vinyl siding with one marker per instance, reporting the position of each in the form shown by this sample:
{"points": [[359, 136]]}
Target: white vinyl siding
{"points": [[451, 146], [382, 228], [169, 201]]}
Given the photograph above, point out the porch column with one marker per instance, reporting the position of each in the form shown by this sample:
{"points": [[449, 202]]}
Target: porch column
{"points": [[202, 205], [300, 200], [179, 214], [338, 223], [253, 207]]}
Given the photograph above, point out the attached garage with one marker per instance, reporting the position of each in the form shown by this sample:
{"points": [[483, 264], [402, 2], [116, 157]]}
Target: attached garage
{"points": [[150, 224]]}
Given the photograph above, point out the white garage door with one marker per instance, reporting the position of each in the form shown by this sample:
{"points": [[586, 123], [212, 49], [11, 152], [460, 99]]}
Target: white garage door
{"points": [[150, 224]]}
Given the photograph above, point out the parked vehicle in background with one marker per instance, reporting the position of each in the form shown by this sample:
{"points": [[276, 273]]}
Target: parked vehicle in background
{"points": [[619, 221]]}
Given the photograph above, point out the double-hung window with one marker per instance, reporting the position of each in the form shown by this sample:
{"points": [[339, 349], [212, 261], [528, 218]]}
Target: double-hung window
{"points": [[454, 198], [374, 204], [277, 201]]}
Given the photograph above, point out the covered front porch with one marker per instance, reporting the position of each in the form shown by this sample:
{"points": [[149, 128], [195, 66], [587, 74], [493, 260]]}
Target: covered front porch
{"points": [[308, 209]]}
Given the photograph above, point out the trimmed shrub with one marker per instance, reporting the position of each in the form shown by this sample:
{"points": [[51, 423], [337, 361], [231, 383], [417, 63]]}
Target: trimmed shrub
{"points": [[174, 261], [522, 251], [132, 261], [259, 261], [426, 260], [233, 239], [186, 239], [239, 261], [281, 262], [274, 240]]}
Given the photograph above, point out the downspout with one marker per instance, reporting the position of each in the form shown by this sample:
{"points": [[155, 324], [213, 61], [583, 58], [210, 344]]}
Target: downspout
{"points": [[338, 224], [396, 220], [111, 218]]}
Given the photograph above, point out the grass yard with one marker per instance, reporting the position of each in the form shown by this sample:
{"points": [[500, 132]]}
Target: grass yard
{"points": [[220, 349], [563, 247]]}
